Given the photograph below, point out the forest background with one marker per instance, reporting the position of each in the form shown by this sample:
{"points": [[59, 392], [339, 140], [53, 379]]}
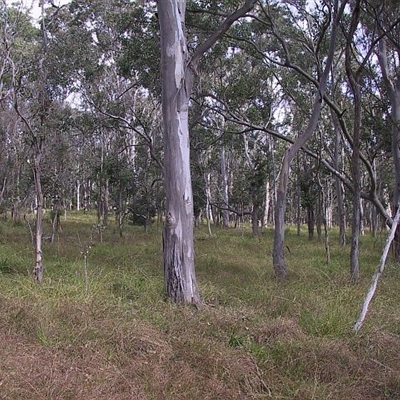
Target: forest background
{"points": [[293, 123]]}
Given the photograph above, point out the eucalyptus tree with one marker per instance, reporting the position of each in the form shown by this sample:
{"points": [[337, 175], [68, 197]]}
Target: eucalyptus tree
{"points": [[303, 55], [16, 32], [281, 55], [32, 102], [111, 97], [229, 97], [178, 72], [354, 81], [359, 66]]}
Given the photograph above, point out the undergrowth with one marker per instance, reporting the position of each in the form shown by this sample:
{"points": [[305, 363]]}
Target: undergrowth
{"points": [[99, 327]]}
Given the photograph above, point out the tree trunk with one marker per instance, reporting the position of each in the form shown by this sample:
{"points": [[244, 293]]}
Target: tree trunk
{"points": [[279, 232], [340, 192], [254, 219], [377, 274], [356, 219], [106, 196], [354, 77], [178, 246], [178, 70], [78, 195], [310, 221], [283, 177], [38, 269], [320, 209], [209, 215], [225, 188], [266, 203], [298, 207]]}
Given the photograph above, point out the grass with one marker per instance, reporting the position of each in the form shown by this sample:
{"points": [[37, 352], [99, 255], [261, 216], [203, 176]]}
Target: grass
{"points": [[101, 329]]}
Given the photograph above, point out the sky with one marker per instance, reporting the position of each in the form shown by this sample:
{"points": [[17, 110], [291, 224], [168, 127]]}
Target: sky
{"points": [[33, 6]]}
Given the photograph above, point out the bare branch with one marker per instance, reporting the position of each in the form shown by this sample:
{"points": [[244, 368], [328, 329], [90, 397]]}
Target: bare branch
{"points": [[378, 273], [203, 48]]}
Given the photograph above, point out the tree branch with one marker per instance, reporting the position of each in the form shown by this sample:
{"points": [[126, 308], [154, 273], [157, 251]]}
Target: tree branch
{"points": [[203, 48], [377, 274]]}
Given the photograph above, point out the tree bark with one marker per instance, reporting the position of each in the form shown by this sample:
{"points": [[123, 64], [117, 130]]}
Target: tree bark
{"points": [[38, 269], [378, 273], [178, 247], [209, 211], [267, 200], [339, 184], [78, 195], [310, 221], [225, 187], [254, 219], [354, 77], [178, 70]]}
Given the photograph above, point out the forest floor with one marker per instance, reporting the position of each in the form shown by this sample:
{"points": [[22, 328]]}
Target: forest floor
{"points": [[99, 326]]}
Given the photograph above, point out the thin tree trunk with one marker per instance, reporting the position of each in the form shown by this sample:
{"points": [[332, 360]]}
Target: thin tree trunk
{"points": [[324, 218], [38, 269], [298, 208], [339, 184], [341, 211], [225, 187], [280, 207], [78, 195], [254, 219], [310, 221], [320, 217], [209, 216], [283, 177], [106, 195], [378, 273], [355, 159], [267, 200]]}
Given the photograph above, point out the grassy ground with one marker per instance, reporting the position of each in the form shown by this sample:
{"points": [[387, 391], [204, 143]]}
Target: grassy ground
{"points": [[99, 326]]}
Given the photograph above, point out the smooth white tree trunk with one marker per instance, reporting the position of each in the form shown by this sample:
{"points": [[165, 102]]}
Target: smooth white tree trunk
{"points": [[225, 187], [38, 269], [178, 70], [178, 246], [378, 273]]}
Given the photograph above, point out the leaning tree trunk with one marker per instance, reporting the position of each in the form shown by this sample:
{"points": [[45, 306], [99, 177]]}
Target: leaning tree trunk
{"points": [[283, 177], [377, 274]]}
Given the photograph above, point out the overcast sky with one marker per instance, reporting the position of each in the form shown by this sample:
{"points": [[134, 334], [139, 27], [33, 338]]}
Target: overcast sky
{"points": [[33, 6]]}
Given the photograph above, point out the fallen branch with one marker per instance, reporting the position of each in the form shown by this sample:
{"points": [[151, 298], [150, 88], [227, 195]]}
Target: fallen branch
{"points": [[378, 273]]}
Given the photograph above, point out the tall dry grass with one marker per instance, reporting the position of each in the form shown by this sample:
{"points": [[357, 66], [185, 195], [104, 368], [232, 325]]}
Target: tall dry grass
{"points": [[99, 326]]}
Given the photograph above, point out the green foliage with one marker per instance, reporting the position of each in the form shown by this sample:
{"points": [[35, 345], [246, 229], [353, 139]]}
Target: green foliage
{"points": [[5, 266]]}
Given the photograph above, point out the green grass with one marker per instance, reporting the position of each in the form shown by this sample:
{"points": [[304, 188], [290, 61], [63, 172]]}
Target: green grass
{"points": [[101, 328]]}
